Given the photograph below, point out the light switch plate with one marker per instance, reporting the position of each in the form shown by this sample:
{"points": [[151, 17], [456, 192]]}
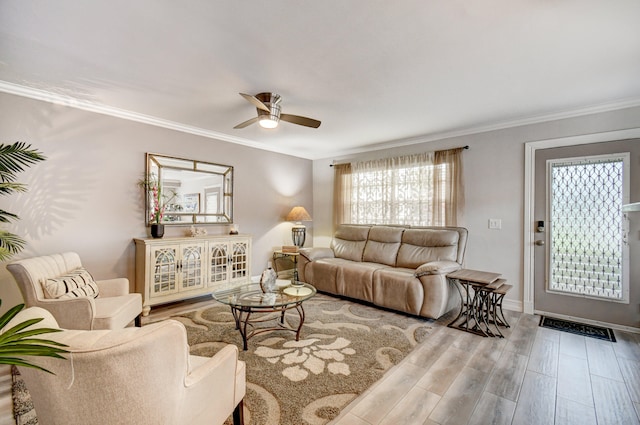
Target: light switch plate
{"points": [[495, 223]]}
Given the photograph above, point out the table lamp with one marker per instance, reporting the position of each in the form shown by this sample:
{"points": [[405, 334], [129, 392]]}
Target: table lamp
{"points": [[298, 231]]}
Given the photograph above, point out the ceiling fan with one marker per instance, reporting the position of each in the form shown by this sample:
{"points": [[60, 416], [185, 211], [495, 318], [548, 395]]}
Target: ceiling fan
{"points": [[268, 107]]}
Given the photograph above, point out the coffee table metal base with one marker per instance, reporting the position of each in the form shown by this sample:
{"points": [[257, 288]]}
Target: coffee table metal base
{"points": [[245, 320]]}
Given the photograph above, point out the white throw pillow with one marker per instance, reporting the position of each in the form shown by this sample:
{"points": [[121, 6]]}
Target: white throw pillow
{"points": [[75, 284]]}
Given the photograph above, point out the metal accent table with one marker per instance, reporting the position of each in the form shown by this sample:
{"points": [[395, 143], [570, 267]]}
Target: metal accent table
{"points": [[481, 297], [294, 257], [246, 300]]}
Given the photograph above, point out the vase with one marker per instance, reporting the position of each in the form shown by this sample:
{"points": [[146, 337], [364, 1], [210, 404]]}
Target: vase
{"points": [[268, 280], [157, 230]]}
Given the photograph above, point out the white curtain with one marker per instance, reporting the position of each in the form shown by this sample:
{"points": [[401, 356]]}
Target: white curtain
{"points": [[416, 190]]}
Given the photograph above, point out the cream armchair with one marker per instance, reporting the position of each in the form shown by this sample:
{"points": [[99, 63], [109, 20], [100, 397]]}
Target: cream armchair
{"points": [[134, 376], [114, 307]]}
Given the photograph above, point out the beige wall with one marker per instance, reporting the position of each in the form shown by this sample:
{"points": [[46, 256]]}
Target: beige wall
{"points": [[494, 188], [84, 197]]}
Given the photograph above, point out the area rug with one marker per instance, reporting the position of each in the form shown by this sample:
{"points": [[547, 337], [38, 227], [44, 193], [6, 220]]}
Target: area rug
{"points": [[578, 328], [344, 348]]}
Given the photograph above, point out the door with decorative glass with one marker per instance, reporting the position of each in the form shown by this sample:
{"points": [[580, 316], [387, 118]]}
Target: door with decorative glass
{"points": [[581, 234]]}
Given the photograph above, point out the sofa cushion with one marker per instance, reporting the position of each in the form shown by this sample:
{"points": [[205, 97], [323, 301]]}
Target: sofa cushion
{"points": [[383, 244], [349, 241], [355, 280], [322, 274], [421, 246], [398, 289], [74, 284], [116, 312]]}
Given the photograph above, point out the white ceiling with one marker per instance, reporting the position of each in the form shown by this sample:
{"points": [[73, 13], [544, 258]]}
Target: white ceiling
{"points": [[376, 73]]}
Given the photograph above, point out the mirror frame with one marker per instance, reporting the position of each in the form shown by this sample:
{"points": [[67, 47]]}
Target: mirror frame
{"points": [[166, 162]]}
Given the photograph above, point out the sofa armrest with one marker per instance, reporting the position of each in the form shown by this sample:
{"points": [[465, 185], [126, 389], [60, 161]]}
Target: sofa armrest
{"points": [[437, 267], [313, 254], [113, 287], [71, 313], [216, 375]]}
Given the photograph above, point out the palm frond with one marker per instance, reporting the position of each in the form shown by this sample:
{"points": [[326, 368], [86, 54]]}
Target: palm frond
{"points": [[7, 188], [17, 341], [31, 350], [10, 244], [10, 314], [14, 361], [6, 216], [15, 157]]}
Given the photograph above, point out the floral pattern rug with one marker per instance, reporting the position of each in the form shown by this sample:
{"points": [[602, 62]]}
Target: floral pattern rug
{"points": [[344, 348]]}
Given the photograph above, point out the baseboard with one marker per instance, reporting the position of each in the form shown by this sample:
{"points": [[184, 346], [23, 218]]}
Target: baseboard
{"points": [[512, 305], [624, 328]]}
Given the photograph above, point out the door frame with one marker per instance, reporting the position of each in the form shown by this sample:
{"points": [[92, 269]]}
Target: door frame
{"points": [[530, 149]]}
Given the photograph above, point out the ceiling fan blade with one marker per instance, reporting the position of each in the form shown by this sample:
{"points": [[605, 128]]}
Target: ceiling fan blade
{"points": [[256, 102], [297, 119], [247, 122]]}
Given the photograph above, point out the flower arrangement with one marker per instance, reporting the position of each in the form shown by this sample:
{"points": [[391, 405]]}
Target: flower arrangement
{"points": [[157, 201]]}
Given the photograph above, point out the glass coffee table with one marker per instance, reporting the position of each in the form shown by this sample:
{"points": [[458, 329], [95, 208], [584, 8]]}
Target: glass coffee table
{"points": [[246, 300]]}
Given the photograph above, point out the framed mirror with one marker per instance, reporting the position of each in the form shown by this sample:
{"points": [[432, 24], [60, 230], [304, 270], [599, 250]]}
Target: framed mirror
{"points": [[189, 191]]}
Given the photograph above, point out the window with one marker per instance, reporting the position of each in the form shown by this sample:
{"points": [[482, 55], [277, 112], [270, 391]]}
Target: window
{"points": [[416, 190], [588, 252]]}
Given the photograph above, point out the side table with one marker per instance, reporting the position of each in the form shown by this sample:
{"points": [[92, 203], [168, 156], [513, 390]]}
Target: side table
{"points": [[481, 296], [293, 256]]}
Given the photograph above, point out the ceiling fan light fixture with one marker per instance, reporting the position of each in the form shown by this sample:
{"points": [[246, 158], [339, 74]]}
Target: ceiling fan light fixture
{"points": [[269, 119], [268, 112], [267, 122]]}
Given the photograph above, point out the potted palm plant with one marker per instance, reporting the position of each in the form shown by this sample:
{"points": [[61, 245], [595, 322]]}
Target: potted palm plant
{"points": [[19, 341]]}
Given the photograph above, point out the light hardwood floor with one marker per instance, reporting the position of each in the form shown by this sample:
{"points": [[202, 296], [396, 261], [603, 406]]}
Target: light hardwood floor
{"points": [[532, 376]]}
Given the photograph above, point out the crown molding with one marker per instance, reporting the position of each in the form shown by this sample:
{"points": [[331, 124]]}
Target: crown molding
{"points": [[84, 105], [501, 125], [72, 102]]}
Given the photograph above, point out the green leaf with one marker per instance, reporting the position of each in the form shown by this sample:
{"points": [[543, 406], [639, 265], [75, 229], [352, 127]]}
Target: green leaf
{"points": [[15, 157], [7, 188], [6, 216], [16, 333], [42, 341], [19, 362], [31, 350], [18, 341], [10, 314], [10, 244]]}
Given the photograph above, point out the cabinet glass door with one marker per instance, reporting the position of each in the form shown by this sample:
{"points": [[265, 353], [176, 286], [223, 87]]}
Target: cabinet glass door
{"points": [[239, 260], [218, 262], [191, 267], [165, 270]]}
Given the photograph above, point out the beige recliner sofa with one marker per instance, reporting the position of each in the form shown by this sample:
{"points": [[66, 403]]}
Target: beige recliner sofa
{"points": [[400, 268], [141, 376]]}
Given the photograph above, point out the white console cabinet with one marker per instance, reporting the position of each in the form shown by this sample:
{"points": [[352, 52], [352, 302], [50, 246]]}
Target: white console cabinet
{"points": [[174, 269]]}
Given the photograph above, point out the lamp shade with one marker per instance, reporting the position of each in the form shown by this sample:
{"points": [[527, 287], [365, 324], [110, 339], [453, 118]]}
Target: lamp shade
{"points": [[298, 214]]}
